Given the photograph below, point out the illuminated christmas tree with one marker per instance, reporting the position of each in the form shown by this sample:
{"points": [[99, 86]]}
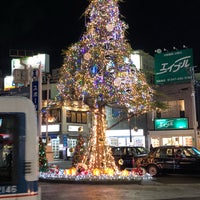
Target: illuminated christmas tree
{"points": [[79, 150], [98, 71], [43, 162]]}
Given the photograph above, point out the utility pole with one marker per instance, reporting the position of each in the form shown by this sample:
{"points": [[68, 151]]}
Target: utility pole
{"points": [[195, 125]]}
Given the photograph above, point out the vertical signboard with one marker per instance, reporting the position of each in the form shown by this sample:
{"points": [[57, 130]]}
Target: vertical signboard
{"points": [[65, 140], [35, 94], [35, 88], [173, 66]]}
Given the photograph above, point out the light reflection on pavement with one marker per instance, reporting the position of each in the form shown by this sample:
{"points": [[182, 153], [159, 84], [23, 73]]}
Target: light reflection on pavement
{"points": [[146, 191]]}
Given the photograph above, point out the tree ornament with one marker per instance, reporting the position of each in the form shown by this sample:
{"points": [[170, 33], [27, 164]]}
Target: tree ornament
{"points": [[120, 161], [91, 30], [87, 56], [109, 27], [94, 69], [117, 81]]}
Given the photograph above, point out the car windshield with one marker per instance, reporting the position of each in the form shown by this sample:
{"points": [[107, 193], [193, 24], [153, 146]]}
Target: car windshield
{"points": [[141, 150], [194, 151], [130, 151]]}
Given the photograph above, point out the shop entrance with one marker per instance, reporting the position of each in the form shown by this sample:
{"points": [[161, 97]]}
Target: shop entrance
{"points": [[174, 140]]}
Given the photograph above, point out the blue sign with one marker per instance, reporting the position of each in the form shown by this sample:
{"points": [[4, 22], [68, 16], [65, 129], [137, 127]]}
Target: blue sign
{"points": [[35, 94], [65, 140], [35, 73]]}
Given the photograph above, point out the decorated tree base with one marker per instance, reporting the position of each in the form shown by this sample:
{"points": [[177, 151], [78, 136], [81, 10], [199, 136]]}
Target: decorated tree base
{"points": [[81, 174]]}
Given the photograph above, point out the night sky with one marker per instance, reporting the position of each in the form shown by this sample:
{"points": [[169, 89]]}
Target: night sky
{"points": [[44, 26]]}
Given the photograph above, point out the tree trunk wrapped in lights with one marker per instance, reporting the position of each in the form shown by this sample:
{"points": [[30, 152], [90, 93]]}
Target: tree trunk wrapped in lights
{"points": [[98, 69], [99, 154]]}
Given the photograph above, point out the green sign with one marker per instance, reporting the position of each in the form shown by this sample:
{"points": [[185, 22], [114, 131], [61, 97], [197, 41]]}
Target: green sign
{"points": [[171, 123], [173, 66]]}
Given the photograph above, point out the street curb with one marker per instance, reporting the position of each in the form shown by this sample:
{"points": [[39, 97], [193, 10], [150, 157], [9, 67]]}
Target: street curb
{"points": [[91, 182]]}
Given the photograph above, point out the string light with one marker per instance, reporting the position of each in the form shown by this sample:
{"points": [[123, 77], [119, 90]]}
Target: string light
{"points": [[98, 70]]}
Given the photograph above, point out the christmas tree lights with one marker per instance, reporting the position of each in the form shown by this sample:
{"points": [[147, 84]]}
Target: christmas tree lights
{"points": [[79, 150], [98, 71], [43, 162], [99, 154]]}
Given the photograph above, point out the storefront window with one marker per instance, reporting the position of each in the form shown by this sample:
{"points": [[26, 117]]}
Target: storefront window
{"points": [[187, 141], [155, 142], [176, 140], [168, 141]]}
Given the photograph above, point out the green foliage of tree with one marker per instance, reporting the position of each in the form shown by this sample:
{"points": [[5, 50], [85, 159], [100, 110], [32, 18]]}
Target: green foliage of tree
{"points": [[79, 150], [43, 162]]}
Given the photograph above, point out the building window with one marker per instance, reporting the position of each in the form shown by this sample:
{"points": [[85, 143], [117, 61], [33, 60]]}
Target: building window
{"points": [[73, 117], [76, 117], [44, 94], [181, 104], [52, 115], [158, 114], [175, 109], [84, 118]]}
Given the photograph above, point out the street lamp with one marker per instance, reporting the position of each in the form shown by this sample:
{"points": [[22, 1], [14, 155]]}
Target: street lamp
{"points": [[129, 124], [135, 128]]}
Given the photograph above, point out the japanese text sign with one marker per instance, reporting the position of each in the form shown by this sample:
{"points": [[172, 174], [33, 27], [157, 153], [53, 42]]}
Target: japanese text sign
{"points": [[173, 66]]}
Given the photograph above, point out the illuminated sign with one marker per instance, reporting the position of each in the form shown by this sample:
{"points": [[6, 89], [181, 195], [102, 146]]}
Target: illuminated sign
{"points": [[41, 60], [171, 123], [124, 132], [136, 59], [74, 128], [8, 83], [173, 66], [50, 128]]}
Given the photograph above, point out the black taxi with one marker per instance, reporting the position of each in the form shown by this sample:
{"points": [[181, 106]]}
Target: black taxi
{"points": [[126, 156], [171, 159]]}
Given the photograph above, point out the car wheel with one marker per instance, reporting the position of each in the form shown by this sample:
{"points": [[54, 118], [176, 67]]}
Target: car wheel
{"points": [[152, 170]]}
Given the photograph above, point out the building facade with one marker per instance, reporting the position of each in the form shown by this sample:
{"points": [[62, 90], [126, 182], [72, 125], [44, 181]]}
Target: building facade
{"points": [[176, 87], [177, 124]]}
